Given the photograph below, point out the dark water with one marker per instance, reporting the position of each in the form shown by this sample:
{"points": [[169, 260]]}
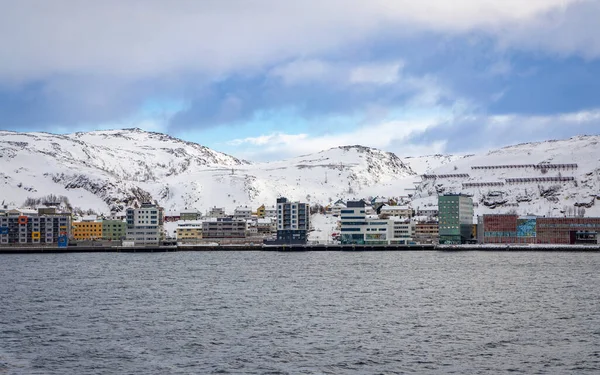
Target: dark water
{"points": [[300, 313]]}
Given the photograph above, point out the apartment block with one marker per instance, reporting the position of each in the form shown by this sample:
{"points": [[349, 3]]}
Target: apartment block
{"points": [[427, 232], [189, 231], [114, 230], [145, 224], [223, 227], [31, 227], [87, 230], [293, 221]]}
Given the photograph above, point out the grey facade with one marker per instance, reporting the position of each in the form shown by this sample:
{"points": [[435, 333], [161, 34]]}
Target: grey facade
{"points": [[145, 224], [224, 227], [293, 222], [33, 228]]}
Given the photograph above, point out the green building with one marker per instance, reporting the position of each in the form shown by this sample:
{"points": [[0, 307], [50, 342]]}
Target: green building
{"points": [[114, 230], [455, 218]]}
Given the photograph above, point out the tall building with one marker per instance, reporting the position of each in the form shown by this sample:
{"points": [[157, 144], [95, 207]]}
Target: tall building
{"points": [[31, 227], [145, 224], [353, 221], [293, 222], [455, 218]]}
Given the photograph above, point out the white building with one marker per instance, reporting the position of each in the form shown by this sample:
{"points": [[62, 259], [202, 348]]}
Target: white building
{"points": [[400, 231], [216, 212], [359, 228], [145, 224], [336, 209], [242, 213], [271, 212], [401, 211], [428, 211], [266, 226]]}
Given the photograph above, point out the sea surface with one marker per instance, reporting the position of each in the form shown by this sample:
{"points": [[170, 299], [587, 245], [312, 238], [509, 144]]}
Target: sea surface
{"points": [[300, 313]]}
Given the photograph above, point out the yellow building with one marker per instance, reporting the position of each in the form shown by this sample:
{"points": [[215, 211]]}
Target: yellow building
{"points": [[260, 212], [189, 232], [87, 230]]}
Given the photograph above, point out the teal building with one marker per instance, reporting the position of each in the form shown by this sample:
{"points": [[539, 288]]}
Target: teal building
{"points": [[455, 218]]}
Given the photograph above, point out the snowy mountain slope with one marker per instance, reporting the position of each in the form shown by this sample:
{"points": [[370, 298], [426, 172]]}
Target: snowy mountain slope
{"points": [[110, 170], [498, 190], [429, 163]]}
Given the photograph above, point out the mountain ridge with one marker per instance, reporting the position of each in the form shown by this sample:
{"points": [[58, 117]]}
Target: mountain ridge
{"points": [[109, 170]]}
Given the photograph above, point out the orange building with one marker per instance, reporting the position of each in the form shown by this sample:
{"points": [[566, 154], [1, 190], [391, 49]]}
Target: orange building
{"points": [[87, 230]]}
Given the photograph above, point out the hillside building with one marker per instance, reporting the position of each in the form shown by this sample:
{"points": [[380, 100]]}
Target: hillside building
{"points": [[242, 213], [216, 212], [455, 218], [145, 225], [271, 211], [400, 211], [189, 215]]}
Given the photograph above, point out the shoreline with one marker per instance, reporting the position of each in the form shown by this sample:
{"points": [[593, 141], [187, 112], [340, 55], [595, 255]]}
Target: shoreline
{"points": [[298, 248]]}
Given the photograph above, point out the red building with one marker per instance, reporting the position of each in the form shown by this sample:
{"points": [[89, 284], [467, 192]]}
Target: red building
{"points": [[567, 230], [507, 229]]}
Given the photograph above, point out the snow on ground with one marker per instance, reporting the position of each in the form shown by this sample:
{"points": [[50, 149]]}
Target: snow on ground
{"points": [[324, 226]]}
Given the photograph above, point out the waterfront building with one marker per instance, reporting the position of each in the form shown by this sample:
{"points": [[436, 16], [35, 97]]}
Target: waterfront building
{"points": [[455, 218], [31, 227], [87, 230], [427, 232], [114, 230], [145, 225], [353, 223], [189, 231], [567, 230], [293, 222], [400, 231], [223, 227], [266, 226], [512, 229]]}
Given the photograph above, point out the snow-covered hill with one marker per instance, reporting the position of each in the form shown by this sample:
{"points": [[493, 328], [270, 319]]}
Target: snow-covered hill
{"points": [[110, 170], [106, 171], [524, 178]]}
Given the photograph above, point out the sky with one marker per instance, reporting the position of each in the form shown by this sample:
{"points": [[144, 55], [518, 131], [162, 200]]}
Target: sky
{"points": [[269, 79]]}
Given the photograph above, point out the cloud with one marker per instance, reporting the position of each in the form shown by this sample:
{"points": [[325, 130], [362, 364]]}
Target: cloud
{"points": [[381, 135], [425, 135], [68, 63], [136, 38], [471, 133]]}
